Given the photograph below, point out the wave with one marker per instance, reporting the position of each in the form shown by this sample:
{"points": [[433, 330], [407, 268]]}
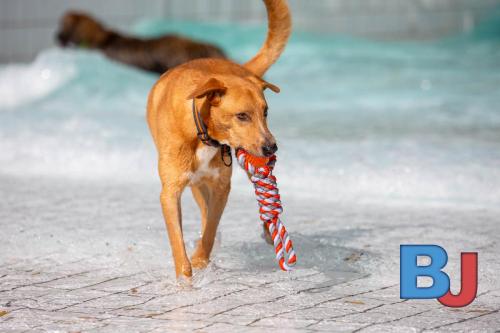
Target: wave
{"points": [[357, 121]]}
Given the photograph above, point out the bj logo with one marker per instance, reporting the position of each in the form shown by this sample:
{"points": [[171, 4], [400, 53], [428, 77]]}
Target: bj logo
{"points": [[440, 288]]}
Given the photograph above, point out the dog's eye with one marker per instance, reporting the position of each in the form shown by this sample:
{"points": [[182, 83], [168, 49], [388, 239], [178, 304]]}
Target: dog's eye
{"points": [[265, 112], [243, 116]]}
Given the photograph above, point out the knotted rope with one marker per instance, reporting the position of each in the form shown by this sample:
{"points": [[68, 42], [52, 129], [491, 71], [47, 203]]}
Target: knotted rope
{"points": [[268, 197]]}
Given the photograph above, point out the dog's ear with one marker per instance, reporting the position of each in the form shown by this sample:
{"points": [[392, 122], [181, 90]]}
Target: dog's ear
{"points": [[271, 86], [213, 89], [266, 85]]}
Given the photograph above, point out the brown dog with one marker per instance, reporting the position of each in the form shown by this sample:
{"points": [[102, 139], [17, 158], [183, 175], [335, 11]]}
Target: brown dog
{"points": [[155, 55], [195, 111]]}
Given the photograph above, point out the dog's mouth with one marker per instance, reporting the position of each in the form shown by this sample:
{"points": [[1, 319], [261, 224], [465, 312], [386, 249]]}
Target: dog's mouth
{"points": [[248, 151]]}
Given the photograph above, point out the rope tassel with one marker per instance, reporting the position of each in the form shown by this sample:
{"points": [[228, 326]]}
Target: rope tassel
{"points": [[268, 197]]}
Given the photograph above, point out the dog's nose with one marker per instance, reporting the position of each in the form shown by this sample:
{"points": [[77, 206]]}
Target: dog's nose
{"points": [[62, 38], [269, 149]]}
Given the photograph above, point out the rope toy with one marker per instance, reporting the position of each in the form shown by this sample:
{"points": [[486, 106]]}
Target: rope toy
{"points": [[268, 197]]}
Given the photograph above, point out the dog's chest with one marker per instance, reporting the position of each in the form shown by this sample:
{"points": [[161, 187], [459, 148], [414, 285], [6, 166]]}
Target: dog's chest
{"points": [[204, 155]]}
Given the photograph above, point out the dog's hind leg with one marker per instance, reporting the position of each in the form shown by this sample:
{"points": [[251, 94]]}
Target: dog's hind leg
{"points": [[266, 235], [212, 199], [201, 194]]}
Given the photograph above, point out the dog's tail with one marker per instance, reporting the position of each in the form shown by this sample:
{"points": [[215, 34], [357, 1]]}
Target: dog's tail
{"points": [[279, 29]]}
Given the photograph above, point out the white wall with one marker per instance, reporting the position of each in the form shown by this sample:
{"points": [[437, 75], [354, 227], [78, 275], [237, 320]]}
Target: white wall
{"points": [[27, 26]]}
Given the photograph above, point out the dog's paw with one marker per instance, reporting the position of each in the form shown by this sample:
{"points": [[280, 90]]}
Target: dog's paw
{"points": [[199, 262], [266, 236], [184, 270], [184, 281]]}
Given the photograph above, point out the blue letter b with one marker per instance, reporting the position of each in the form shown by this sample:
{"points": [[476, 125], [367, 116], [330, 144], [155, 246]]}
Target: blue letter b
{"points": [[410, 271]]}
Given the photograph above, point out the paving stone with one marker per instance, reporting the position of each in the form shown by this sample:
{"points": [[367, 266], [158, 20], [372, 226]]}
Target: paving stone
{"points": [[335, 326], [284, 322], [100, 287], [381, 328]]}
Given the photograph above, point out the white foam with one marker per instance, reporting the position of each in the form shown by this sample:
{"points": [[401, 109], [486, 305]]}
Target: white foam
{"points": [[21, 84]]}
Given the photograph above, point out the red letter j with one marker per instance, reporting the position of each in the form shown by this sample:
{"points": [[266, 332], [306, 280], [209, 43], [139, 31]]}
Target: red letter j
{"points": [[468, 289]]}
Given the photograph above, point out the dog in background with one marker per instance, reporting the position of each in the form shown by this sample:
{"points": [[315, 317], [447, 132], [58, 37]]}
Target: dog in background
{"points": [[195, 111], [155, 54]]}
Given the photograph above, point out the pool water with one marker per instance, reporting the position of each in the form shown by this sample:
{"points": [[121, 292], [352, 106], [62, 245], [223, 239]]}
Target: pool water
{"points": [[413, 123]]}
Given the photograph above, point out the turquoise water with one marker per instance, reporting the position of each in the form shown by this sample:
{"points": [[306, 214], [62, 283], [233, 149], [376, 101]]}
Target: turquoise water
{"points": [[357, 121]]}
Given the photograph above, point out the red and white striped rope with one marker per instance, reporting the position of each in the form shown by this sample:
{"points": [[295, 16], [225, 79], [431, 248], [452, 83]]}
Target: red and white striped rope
{"points": [[268, 197]]}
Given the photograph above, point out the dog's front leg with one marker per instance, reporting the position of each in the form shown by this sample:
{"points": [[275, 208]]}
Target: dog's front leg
{"points": [[171, 205], [211, 198]]}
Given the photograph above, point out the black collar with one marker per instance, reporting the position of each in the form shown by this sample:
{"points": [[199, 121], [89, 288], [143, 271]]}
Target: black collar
{"points": [[202, 134], [201, 129]]}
